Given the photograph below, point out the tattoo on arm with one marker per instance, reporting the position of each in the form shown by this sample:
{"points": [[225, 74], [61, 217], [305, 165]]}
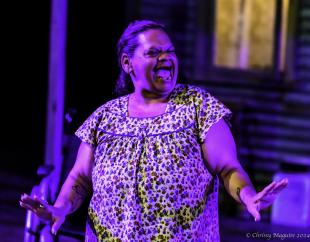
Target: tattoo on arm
{"points": [[78, 197], [79, 191], [238, 194]]}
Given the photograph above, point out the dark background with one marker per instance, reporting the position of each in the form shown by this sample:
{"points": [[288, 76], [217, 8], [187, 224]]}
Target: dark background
{"points": [[91, 73], [24, 84]]}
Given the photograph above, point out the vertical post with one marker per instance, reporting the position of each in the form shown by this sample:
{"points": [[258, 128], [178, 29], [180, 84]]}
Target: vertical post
{"points": [[56, 90], [243, 40], [277, 43], [205, 39], [291, 43]]}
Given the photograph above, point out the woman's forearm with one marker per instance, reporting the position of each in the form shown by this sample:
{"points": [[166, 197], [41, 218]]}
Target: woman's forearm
{"points": [[73, 192], [238, 184], [78, 183]]}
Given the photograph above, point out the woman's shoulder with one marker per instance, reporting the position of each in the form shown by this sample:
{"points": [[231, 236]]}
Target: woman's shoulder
{"points": [[192, 92], [116, 105]]}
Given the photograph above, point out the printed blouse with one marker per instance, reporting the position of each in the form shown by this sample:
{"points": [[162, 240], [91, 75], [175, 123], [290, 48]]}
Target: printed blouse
{"points": [[150, 181]]}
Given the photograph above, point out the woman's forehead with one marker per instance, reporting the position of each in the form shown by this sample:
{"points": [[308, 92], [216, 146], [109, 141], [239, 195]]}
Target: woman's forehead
{"points": [[154, 37]]}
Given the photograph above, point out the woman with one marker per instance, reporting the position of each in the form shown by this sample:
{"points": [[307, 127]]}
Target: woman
{"points": [[152, 158]]}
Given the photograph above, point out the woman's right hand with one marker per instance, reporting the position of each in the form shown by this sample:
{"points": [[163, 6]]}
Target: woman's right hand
{"points": [[48, 213]]}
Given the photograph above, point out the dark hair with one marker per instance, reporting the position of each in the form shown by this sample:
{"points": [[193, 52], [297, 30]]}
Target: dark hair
{"points": [[128, 43]]}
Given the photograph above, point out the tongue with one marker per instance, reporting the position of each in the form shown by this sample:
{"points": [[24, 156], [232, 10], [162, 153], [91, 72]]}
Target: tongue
{"points": [[163, 74]]}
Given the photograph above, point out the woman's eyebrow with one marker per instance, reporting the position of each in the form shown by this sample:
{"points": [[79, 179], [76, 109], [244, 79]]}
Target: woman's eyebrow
{"points": [[160, 47]]}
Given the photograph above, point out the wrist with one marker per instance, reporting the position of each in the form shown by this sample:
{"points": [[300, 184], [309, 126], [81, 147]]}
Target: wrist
{"points": [[66, 207]]}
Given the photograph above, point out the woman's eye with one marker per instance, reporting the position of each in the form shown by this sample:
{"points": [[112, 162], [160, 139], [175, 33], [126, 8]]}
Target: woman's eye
{"points": [[152, 53], [155, 52]]}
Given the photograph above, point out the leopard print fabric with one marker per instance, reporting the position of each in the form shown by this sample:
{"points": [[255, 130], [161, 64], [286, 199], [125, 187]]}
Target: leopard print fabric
{"points": [[150, 182]]}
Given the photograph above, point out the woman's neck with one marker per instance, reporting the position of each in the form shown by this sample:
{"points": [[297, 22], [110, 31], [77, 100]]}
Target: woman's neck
{"points": [[146, 106], [144, 98]]}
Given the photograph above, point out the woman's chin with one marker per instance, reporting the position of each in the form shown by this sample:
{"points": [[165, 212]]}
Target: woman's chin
{"points": [[165, 87]]}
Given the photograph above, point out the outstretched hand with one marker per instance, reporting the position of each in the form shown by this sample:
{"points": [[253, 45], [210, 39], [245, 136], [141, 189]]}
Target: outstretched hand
{"points": [[47, 213], [263, 199]]}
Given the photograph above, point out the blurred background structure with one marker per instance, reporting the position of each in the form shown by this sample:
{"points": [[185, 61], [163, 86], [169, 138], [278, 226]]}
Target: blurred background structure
{"points": [[253, 55]]}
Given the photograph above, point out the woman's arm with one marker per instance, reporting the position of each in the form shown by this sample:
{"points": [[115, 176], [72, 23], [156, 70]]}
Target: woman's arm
{"points": [[76, 187], [78, 183], [219, 150]]}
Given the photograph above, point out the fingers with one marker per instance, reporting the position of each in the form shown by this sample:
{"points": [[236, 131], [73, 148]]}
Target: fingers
{"points": [[26, 199], [272, 189], [264, 191], [42, 202], [254, 211], [26, 206], [34, 202], [56, 225], [37, 205], [269, 187], [280, 186], [256, 215]]}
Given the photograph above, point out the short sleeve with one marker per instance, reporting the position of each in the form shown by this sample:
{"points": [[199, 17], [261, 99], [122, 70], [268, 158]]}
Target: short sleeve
{"points": [[87, 132], [209, 111]]}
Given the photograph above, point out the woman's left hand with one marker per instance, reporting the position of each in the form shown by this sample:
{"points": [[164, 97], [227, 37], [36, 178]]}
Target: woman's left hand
{"points": [[263, 199]]}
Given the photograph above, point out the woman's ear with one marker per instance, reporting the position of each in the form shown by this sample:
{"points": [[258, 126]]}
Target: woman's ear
{"points": [[126, 64]]}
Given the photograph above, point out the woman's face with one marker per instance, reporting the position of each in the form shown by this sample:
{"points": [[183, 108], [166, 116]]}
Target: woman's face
{"points": [[154, 63]]}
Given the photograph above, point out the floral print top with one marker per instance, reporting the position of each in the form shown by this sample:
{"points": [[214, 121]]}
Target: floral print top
{"points": [[150, 182]]}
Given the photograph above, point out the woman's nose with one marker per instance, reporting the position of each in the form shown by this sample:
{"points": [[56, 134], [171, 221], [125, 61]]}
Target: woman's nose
{"points": [[164, 55]]}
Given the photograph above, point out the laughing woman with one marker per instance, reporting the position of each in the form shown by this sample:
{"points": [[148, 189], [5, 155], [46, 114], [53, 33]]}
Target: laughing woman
{"points": [[153, 157]]}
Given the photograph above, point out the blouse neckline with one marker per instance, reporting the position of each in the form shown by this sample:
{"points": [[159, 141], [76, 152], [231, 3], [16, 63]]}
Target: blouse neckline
{"points": [[167, 109]]}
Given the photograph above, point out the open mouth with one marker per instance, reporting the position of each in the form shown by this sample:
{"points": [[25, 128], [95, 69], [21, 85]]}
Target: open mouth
{"points": [[164, 73]]}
